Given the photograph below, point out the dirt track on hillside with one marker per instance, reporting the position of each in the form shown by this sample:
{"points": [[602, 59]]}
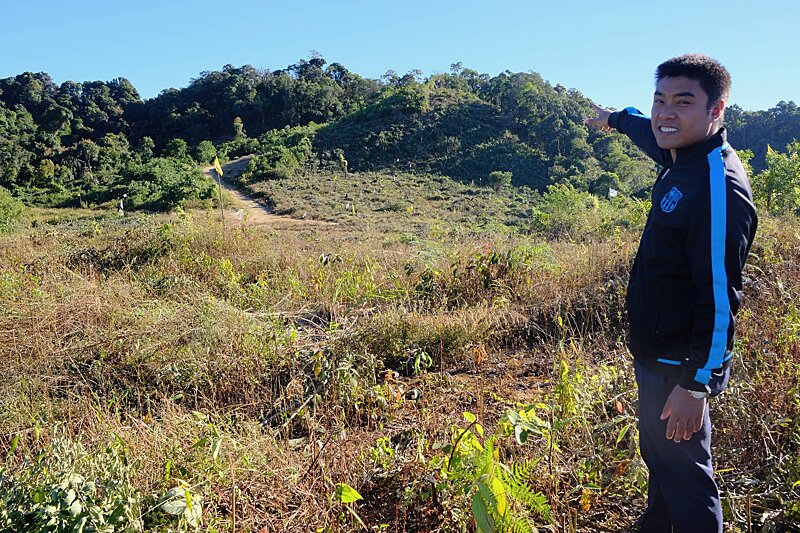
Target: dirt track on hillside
{"points": [[243, 208]]}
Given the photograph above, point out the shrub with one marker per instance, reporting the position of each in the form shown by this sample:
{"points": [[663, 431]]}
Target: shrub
{"points": [[176, 148], [499, 179], [205, 152], [11, 209], [162, 184], [65, 488], [567, 212]]}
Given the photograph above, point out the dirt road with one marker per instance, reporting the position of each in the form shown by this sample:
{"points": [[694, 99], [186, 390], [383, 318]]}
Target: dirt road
{"points": [[245, 209]]}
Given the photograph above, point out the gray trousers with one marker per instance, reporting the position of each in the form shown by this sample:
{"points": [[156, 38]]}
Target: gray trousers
{"points": [[682, 496]]}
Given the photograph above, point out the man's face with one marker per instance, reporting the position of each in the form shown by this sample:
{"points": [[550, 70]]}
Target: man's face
{"points": [[680, 114]]}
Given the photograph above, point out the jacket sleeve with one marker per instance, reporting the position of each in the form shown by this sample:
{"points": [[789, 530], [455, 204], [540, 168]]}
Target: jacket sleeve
{"points": [[636, 126], [719, 237]]}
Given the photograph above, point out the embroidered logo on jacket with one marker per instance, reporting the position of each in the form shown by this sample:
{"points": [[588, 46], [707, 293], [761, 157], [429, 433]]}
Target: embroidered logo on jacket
{"points": [[670, 200]]}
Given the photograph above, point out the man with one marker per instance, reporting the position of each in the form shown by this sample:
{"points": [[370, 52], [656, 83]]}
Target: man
{"points": [[685, 286]]}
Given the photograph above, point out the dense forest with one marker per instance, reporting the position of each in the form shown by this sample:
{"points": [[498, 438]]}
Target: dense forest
{"points": [[91, 142]]}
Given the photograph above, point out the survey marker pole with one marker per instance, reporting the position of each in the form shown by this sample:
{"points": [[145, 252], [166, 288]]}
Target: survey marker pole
{"points": [[218, 169]]}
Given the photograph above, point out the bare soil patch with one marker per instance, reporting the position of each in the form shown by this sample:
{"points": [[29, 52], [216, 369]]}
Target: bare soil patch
{"points": [[244, 208]]}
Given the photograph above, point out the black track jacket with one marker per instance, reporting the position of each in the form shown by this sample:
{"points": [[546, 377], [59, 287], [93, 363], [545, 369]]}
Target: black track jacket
{"points": [[686, 281]]}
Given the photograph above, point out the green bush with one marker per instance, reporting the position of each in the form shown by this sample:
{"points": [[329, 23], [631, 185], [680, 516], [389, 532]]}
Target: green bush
{"points": [[65, 488], [11, 209], [281, 154], [162, 184], [568, 212], [499, 179], [205, 152]]}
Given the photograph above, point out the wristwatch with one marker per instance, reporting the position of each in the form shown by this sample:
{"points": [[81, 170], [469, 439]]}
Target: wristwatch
{"points": [[697, 394]]}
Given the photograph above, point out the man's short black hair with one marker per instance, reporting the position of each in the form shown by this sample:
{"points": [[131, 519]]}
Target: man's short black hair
{"points": [[714, 79]]}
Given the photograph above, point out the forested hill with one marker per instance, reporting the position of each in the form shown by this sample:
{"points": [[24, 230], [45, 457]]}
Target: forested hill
{"points": [[93, 141]]}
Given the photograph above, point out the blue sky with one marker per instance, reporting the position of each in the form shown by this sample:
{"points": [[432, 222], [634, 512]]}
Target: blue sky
{"points": [[606, 50]]}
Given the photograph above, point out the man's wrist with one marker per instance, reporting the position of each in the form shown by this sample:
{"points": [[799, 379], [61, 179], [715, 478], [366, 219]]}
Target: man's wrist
{"points": [[688, 382], [613, 119], [696, 394]]}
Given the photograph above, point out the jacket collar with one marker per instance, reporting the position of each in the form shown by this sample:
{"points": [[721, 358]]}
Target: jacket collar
{"points": [[703, 148]]}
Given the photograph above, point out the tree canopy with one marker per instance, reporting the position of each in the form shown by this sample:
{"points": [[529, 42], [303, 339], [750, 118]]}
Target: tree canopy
{"points": [[59, 143]]}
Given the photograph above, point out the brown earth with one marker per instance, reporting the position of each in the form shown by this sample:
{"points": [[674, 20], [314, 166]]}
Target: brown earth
{"points": [[240, 207]]}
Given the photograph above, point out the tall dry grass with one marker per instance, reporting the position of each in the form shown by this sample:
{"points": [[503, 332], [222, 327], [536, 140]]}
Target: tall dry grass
{"points": [[262, 368]]}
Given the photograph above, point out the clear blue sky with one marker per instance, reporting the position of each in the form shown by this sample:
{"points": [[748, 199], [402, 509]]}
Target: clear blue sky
{"points": [[606, 50]]}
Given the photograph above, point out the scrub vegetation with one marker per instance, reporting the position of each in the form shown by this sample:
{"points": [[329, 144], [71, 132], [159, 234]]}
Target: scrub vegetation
{"points": [[163, 376], [437, 344]]}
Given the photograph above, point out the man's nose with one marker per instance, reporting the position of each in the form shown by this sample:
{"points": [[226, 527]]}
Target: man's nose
{"points": [[667, 111]]}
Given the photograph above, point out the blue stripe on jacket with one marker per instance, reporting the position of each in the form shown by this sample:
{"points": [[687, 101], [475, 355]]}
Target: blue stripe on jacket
{"points": [[719, 277], [636, 113]]}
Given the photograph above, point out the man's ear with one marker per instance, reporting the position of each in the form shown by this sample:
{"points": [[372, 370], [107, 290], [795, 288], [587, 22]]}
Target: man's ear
{"points": [[716, 109]]}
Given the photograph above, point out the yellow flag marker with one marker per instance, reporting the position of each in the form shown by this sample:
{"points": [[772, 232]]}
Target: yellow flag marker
{"points": [[218, 168]]}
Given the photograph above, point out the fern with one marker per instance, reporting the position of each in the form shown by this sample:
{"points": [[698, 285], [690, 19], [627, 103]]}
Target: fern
{"points": [[516, 479], [522, 525], [501, 497]]}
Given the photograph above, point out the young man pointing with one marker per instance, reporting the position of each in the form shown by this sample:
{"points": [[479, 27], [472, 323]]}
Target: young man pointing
{"points": [[685, 286]]}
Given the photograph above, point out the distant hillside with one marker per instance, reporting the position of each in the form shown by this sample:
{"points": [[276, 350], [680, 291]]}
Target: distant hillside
{"points": [[93, 141], [754, 130]]}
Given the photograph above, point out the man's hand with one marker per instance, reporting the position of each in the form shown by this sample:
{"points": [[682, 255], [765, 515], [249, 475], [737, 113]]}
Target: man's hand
{"points": [[684, 414], [601, 120]]}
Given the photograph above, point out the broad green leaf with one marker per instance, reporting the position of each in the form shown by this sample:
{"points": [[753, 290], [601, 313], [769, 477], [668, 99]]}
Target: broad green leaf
{"points": [[521, 434], [622, 432], [486, 493], [470, 417], [174, 507], [481, 514], [117, 513], [174, 501], [512, 416], [75, 509], [499, 492], [347, 494], [14, 443], [80, 525]]}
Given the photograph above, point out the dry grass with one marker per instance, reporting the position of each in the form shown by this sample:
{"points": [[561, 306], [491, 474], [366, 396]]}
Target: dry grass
{"points": [[300, 352]]}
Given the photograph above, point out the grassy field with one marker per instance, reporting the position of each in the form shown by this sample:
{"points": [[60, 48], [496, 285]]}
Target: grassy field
{"points": [[429, 363]]}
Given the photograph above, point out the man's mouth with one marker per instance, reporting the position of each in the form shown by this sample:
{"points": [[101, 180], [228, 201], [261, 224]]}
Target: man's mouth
{"points": [[667, 129]]}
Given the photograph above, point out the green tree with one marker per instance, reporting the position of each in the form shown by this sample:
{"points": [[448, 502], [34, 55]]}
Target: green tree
{"points": [[205, 152], [238, 128], [500, 180], [777, 188], [177, 148], [45, 171], [145, 147]]}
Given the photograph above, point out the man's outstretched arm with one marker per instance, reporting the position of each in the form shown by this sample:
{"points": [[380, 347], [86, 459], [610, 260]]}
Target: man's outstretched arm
{"points": [[636, 126], [601, 120]]}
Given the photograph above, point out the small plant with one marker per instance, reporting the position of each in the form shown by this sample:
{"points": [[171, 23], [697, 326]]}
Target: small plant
{"points": [[66, 488], [180, 501], [348, 496], [500, 496], [11, 209]]}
